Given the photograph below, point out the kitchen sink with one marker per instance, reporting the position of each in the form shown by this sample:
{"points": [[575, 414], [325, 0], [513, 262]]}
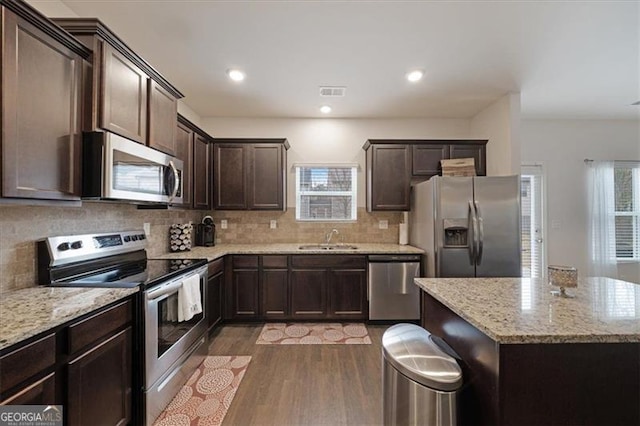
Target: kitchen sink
{"points": [[327, 247]]}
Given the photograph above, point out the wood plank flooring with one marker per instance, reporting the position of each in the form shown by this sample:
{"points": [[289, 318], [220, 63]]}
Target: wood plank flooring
{"points": [[304, 384]]}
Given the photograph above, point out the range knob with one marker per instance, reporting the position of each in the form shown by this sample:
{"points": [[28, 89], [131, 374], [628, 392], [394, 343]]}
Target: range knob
{"points": [[141, 237], [134, 238], [76, 245], [64, 246], [127, 238]]}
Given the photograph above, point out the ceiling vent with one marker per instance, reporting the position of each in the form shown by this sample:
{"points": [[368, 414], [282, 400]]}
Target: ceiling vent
{"points": [[332, 91]]}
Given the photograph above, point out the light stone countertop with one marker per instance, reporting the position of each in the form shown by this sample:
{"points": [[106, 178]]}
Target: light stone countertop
{"points": [[30, 311], [522, 310], [212, 253]]}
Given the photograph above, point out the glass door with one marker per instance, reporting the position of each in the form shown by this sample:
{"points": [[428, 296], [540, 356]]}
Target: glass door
{"points": [[532, 221]]}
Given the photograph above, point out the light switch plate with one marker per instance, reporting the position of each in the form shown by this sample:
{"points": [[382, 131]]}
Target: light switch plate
{"points": [[383, 224], [273, 224], [223, 224], [147, 228], [556, 224]]}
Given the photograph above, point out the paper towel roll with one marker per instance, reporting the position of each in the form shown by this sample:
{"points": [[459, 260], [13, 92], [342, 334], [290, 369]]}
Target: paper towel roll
{"points": [[404, 233]]}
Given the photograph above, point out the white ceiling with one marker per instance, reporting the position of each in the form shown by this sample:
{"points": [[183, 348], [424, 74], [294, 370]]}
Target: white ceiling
{"points": [[568, 59]]}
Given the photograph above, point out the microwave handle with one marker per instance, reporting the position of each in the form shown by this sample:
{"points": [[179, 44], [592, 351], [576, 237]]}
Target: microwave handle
{"points": [[176, 180]]}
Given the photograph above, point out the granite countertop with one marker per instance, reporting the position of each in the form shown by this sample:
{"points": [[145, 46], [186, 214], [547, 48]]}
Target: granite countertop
{"points": [[522, 310], [27, 312], [212, 253]]}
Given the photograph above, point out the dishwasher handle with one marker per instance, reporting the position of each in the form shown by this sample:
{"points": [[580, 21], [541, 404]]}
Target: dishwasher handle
{"points": [[394, 258]]}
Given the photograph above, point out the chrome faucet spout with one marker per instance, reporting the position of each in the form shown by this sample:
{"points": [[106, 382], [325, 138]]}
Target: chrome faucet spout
{"points": [[329, 234]]}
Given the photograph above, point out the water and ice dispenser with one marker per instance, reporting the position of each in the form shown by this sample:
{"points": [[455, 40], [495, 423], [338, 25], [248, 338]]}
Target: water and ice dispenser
{"points": [[456, 233]]}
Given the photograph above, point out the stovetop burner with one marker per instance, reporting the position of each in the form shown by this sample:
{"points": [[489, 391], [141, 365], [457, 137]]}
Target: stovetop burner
{"points": [[121, 262]]}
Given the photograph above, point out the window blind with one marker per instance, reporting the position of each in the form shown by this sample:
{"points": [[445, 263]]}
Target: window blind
{"points": [[627, 210]]}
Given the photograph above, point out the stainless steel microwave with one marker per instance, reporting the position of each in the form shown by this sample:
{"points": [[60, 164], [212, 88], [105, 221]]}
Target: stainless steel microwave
{"points": [[116, 168]]}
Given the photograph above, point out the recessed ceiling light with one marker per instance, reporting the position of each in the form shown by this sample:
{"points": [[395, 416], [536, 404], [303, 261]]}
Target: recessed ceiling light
{"points": [[235, 75], [325, 109], [414, 76]]}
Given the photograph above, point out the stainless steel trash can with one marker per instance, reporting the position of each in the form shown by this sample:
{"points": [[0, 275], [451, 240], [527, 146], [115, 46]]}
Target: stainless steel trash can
{"points": [[419, 380]]}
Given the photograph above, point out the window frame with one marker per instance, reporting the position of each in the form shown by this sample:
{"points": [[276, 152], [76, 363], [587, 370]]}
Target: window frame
{"points": [[634, 213], [353, 193]]}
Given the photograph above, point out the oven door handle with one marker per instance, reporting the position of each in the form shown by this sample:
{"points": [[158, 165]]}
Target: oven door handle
{"points": [[156, 293]]}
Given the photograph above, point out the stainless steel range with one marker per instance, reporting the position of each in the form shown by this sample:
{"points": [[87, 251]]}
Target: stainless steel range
{"points": [[168, 349]]}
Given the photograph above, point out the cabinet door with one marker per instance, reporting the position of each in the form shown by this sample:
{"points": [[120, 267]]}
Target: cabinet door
{"points": [[245, 293], [275, 294], [230, 177], [390, 177], [266, 177], [214, 300], [184, 151], [426, 158], [201, 173], [348, 294], [99, 383], [40, 392], [477, 152], [309, 294], [41, 114], [123, 96], [163, 116]]}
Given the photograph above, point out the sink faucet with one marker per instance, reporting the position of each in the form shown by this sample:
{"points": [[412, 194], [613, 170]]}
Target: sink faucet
{"points": [[329, 234]]}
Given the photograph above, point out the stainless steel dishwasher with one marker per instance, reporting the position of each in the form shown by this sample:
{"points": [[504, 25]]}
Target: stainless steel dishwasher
{"points": [[392, 293]]}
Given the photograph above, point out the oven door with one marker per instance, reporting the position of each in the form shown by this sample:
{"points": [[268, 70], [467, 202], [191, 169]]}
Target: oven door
{"points": [[166, 339]]}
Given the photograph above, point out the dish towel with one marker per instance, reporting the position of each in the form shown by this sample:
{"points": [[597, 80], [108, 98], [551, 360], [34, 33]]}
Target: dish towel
{"points": [[189, 298]]}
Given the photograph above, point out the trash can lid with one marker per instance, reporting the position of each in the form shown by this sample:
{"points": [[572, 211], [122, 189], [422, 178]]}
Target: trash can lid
{"points": [[409, 349]]}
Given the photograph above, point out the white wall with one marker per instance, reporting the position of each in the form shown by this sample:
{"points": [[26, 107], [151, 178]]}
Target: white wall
{"points": [[53, 8], [189, 113], [561, 147], [333, 140], [500, 123]]}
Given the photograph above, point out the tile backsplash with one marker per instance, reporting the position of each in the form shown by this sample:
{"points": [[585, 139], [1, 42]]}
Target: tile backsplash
{"points": [[22, 226]]}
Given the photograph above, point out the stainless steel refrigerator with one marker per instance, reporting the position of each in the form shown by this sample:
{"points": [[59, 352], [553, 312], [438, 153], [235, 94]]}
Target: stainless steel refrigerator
{"points": [[468, 226]]}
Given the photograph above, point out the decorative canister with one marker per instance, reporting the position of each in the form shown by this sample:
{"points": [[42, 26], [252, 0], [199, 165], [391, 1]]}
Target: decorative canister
{"points": [[563, 277], [180, 237]]}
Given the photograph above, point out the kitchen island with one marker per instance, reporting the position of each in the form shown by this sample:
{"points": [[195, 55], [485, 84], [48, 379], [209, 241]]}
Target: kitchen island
{"points": [[529, 357]]}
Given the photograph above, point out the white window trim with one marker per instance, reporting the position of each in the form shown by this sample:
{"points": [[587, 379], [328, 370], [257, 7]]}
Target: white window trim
{"points": [[353, 193]]}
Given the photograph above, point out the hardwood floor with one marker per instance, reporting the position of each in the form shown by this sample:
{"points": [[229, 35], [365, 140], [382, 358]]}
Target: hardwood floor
{"points": [[304, 384]]}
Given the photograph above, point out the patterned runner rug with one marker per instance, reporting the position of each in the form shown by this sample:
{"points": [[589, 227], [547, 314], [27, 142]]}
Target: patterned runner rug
{"points": [[292, 333], [207, 395]]}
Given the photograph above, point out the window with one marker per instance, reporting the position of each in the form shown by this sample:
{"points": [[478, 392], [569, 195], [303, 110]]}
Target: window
{"points": [[326, 193], [531, 196], [627, 210]]}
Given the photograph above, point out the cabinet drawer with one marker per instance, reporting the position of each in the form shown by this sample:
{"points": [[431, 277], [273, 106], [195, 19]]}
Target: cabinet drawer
{"points": [[94, 328], [328, 261], [216, 267], [274, 261], [19, 365], [240, 262]]}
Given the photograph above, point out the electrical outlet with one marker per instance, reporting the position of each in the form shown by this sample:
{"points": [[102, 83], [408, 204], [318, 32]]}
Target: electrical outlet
{"points": [[383, 224], [556, 224], [273, 224], [147, 228], [223, 224]]}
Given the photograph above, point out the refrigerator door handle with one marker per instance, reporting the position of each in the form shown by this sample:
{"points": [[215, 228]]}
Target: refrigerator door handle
{"points": [[473, 227], [480, 234]]}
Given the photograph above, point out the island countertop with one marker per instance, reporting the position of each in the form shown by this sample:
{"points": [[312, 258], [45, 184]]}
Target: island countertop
{"points": [[522, 310], [215, 252]]}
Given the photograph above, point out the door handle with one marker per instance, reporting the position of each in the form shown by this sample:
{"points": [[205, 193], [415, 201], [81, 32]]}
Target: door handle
{"points": [[176, 184], [473, 226], [480, 238]]}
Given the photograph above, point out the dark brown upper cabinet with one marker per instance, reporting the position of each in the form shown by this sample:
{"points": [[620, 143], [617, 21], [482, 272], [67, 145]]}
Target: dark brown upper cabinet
{"points": [[124, 94], [41, 107], [193, 146], [392, 164], [250, 174]]}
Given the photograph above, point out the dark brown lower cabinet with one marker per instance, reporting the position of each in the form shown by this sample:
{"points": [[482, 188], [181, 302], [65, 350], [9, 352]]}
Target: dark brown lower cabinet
{"points": [[99, 383], [245, 293], [275, 294], [309, 294], [40, 392], [348, 294], [215, 285]]}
